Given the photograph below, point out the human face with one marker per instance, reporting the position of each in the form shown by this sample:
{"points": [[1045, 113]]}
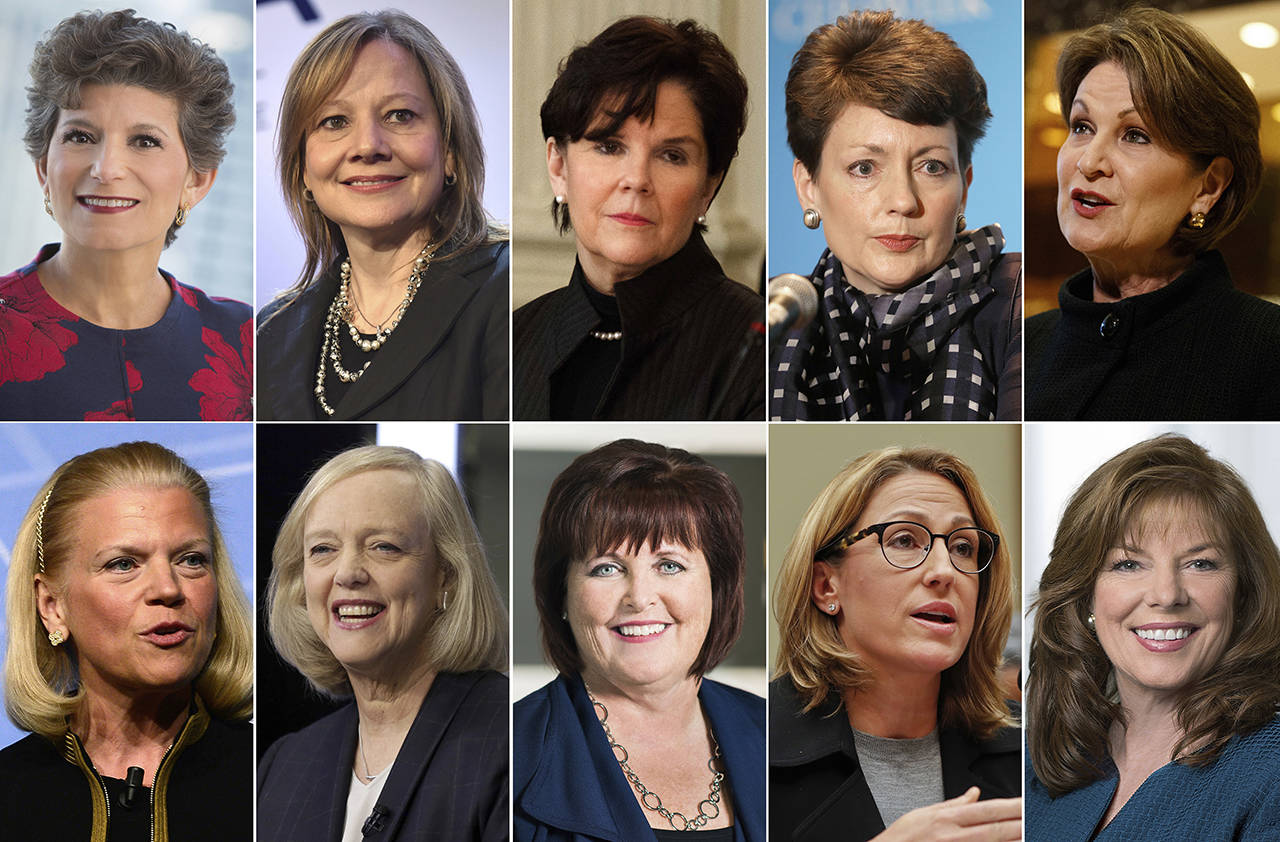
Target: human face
{"points": [[137, 597], [634, 196], [116, 171], [903, 621], [639, 618], [889, 193], [1121, 193], [370, 574], [1168, 579], [375, 158]]}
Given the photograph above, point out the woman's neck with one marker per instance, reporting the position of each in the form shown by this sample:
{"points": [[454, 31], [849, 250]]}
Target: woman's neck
{"points": [[380, 277], [121, 731], [671, 702], [1114, 280], [898, 706], [118, 289], [386, 709]]}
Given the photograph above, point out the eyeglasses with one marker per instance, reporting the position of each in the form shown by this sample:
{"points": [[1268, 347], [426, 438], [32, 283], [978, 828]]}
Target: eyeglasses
{"points": [[906, 544]]}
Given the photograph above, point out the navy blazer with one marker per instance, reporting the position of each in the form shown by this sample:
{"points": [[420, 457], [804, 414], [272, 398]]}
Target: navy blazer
{"points": [[447, 359], [449, 781], [568, 785]]}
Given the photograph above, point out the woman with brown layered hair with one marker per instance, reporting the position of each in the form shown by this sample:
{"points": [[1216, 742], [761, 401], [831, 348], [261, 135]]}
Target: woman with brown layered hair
{"points": [[1154, 666], [887, 659]]}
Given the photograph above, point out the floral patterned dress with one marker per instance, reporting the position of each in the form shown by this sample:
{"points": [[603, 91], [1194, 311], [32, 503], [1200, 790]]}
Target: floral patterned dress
{"points": [[195, 364]]}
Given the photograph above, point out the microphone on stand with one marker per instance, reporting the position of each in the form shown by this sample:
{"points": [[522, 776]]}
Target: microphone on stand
{"points": [[793, 302]]}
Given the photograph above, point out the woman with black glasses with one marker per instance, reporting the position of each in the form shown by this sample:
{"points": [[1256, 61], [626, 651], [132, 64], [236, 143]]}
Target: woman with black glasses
{"points": [[894, 602]]}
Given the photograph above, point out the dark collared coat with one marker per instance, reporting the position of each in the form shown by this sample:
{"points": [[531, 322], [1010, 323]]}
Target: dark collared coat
{"points": [[568, 787], [447, 359], [817, 791], [688, 349], [448, 783]]}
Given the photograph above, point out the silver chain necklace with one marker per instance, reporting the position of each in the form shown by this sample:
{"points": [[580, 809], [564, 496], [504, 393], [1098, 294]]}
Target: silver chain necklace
{"points": [[651, 799]]}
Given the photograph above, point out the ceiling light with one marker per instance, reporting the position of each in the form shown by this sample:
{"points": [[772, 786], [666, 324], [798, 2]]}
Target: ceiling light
{"points": [[1259, 34]]}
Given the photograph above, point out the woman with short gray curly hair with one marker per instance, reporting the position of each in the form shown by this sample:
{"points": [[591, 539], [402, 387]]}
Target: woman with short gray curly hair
{"points": [[126, 122]]}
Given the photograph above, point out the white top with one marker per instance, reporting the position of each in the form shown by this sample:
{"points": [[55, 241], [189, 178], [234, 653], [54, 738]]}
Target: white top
{"points": [[360, 801]]}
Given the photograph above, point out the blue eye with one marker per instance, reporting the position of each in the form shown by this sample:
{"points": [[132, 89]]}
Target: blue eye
{"points": [[604, 569], [122, 565], [194, 560], [670, 567], [1125, 565]]}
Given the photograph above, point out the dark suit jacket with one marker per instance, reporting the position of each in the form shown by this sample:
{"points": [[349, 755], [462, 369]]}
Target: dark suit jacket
{"points": [[447, 360], [686, 340], [449, 781], [568, 786], [817, 791]]}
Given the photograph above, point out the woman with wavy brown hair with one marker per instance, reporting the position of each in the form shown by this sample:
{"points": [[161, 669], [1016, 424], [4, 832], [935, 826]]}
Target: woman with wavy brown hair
{"points": [[1155, 662], [885, 717]]}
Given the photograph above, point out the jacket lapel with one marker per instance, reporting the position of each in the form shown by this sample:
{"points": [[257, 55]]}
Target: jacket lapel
{"points": [[289, 348], [743, 757]]}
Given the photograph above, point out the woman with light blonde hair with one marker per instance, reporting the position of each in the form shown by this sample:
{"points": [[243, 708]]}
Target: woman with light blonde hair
{"points": [[382, 169], [380, 592], [129, 657], [886, 719]]}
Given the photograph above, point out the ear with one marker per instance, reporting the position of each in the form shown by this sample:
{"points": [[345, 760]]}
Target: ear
{"points": [[825, 589], [42, 170], [968, 179], [806, 190], [1215, 180], [450, 168], [198, 185], [50, 606], [557, 168]]}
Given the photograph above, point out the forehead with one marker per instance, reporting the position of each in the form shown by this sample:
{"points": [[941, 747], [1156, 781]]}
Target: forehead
{"points": [[122, 104], [917, 492], [384, 495], [1170, 519], [379, 68], [123, 509], [863, 125], [1107, 84]]}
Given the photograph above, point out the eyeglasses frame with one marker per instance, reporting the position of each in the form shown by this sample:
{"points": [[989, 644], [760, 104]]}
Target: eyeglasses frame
{"points": [[844, 540]]}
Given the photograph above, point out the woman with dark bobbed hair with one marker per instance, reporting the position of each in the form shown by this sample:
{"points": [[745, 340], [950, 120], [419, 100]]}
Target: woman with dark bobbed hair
{"points": [[637, 575], [382, 168], [641, 126], [1147, 185], [126, 122], [920, 317], [1154, 677]]}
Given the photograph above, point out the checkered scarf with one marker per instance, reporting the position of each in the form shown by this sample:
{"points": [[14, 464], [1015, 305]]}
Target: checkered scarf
{"points": [[923, 336]]}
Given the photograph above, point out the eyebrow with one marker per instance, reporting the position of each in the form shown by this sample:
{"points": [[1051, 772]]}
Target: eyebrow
{"points": [[381, 102], [1198, 548], [128, 549], [1121, 114], [880, 150], [136, 128]]}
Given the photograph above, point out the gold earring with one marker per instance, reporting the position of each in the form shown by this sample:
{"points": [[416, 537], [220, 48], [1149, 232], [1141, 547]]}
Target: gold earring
{"points": [[812, 219], [1197, 220], [48, 208], [56, 637], [181, 219], [1092, 622], [960, 222]]}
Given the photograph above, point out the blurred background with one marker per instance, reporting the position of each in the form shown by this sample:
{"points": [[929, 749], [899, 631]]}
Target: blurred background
{"points": [[214, 252], [548, 30], [988, 30], [475, 33], [1248, 34], [541, 451], [222, 453], [476, 455], [803, 458]]}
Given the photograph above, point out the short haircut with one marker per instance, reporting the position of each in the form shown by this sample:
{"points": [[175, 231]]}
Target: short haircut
{"points": [[1170, 64], [616, 76], [119, 48], [623, 495], [41, 686], [905, 68], [470, 634], [810, 649], [459, 222], [1071, 702]]}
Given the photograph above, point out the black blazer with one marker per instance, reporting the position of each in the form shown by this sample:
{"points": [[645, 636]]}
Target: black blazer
{"points": [[449, 781], [447, 360], [817, 791]]}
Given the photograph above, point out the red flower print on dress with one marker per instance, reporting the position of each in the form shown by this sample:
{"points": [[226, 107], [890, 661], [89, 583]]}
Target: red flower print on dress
{"points": [[226, 385], [188, 295], [32, 339], [118, 411]]}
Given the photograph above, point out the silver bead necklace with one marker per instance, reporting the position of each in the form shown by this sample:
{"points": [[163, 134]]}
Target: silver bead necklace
{"points": [[651, 799], [341, 312], [605, 335]]}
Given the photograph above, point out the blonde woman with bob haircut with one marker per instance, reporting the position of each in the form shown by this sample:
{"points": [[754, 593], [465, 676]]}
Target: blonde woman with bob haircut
{"points": [[1154, 679], [380, 592], [129, 657], [382, 169], [894, 603]]}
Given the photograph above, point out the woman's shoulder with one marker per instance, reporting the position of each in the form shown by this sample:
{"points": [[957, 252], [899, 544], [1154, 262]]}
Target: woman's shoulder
{"points": [[212, 308], [746, 702], [305, 742], [31, 751]]}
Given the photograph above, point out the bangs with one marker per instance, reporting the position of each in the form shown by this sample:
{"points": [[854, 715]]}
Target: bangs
{"points": [[1153, 510], [615, 106], [628, 514]]}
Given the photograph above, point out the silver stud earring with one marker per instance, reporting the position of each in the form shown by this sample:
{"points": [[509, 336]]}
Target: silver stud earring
{"points": [[702, 219], [560, 200], [831, 608], [812, 219]]}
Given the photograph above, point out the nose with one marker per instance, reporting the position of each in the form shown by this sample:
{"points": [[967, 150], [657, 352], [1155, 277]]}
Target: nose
{"points": [[370, 141], [937, 567], [163, 584], [108, 164], [636, 174], [1166, 586], [640, 593], [900, 195], [1095, 160], [350, 572]]}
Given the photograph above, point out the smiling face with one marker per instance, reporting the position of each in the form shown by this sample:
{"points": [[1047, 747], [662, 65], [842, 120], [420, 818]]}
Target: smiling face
{"points": [[889, 193], [1163, 603], [116, 171], [639, 619], [375, 157], [370, 574], [634, 196], [896, 620], [136, 596], [1121, 193]]}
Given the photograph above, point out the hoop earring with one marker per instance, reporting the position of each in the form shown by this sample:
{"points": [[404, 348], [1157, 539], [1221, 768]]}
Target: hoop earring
{"points": [[812, 219], [960, 222], [450, 179], [181, 219], [307, 195], [444, 601]]}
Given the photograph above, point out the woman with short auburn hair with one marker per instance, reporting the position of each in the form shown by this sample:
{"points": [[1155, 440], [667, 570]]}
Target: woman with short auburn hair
{"points": [[380, 592], [1154, 663], [887, 659], [920, 317], [637, 578], [1147, 187]]}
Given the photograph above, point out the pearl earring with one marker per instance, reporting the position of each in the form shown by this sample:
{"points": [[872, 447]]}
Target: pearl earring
{"points": [[831, 608]]}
